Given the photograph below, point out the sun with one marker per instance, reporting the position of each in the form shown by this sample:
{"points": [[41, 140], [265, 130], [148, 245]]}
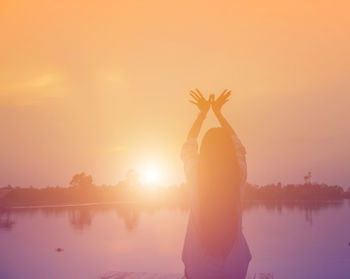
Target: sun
{"points": [[151, 175]]}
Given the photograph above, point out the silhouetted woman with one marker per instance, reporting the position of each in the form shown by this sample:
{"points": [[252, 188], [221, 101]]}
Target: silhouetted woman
{"points": [[214, 247]]}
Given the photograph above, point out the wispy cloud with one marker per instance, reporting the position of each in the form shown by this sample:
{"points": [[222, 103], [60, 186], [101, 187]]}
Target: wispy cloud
{"points": [[44, 80], [32, 91]]}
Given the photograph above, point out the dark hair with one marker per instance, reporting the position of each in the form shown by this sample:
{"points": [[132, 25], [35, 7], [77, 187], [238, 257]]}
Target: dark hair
{"points": [[219, 193]]}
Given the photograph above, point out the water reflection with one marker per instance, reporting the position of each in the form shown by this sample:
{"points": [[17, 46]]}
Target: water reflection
{"points": [[130, 216], [81, 217], [309, 208], [6, 220]]}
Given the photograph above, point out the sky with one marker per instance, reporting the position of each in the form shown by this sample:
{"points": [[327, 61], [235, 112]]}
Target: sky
{"points": [[102, 86]]}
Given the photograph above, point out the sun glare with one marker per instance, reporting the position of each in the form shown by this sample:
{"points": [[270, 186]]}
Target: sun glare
{"points": [[151, 175]]}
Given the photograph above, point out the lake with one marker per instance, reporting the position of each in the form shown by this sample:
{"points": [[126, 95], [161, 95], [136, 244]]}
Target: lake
{"points": [[291, 240]]}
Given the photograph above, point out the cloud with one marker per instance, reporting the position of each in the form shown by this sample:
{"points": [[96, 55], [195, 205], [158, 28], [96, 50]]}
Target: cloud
{"points": [[41, 81], [119, 148], [32, 91], [111, 77]]}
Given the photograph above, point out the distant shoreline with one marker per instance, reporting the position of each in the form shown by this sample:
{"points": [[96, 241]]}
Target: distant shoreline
{"points": [[170, 196], [70, 205], [284, 202]]}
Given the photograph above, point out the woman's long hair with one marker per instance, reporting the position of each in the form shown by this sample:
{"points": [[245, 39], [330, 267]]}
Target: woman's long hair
{"points": [[219, 193]]}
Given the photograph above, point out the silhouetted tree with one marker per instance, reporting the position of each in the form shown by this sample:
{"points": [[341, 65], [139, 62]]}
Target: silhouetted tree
{"points": [[81, 180]]}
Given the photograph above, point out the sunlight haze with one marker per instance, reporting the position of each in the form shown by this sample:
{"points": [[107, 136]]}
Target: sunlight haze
{"points": [[102, 87]]}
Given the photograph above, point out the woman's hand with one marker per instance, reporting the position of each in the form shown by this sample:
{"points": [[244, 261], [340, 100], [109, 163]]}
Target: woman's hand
{"points": [[220, 101], [202, 103]]}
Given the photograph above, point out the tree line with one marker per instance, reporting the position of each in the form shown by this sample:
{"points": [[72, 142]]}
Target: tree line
{"points": [[82, 189]]}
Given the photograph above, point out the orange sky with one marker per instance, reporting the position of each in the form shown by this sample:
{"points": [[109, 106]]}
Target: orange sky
{"points": [[101, 86]]}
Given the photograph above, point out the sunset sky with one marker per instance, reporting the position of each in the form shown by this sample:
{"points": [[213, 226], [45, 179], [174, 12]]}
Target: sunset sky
{"points": [[102, 86]]}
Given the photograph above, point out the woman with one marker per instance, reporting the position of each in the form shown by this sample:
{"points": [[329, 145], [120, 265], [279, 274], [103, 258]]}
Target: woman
{"points": [[214, 247]]}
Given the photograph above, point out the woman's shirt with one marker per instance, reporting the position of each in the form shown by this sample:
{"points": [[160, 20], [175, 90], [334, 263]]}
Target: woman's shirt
{"points": [[198, 263]]}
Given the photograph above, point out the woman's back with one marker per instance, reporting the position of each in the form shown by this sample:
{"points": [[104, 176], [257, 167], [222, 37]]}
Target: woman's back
{"points": [[198, 262]]}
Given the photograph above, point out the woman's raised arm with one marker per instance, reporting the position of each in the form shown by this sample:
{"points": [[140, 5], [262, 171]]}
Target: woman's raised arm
{"points": [[203, 105]]}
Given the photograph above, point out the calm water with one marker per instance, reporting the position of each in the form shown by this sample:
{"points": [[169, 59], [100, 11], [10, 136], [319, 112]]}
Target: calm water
{"points": [[293, 240]]}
